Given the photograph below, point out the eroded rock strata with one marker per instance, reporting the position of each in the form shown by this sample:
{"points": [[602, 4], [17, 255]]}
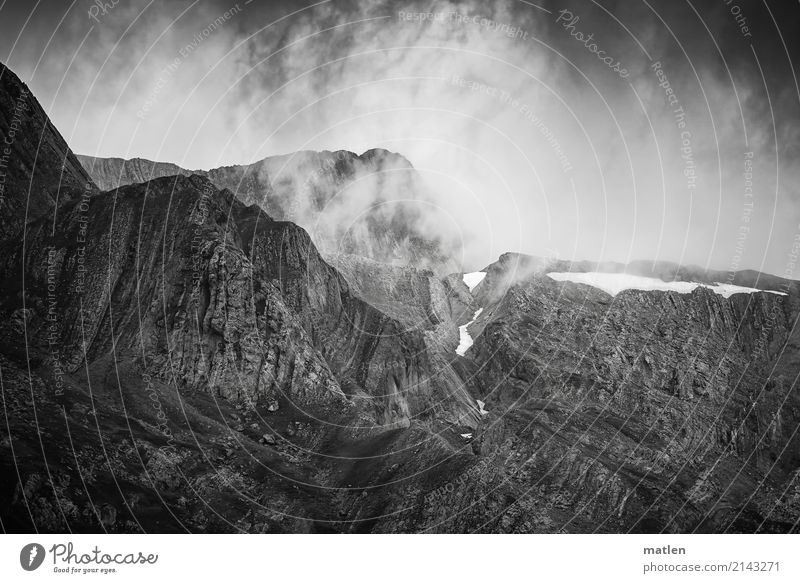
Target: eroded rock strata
{"points": [[177, 356]]}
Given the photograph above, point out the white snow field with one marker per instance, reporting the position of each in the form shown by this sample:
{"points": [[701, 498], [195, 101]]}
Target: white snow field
{"points": [[613, 283], [465, 340], [473, 279]]}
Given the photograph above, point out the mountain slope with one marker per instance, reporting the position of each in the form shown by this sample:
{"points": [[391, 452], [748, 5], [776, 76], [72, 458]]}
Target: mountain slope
{"points": [[371, 204], [176, 292], [646, 411], [38, 171], [175, 360]]}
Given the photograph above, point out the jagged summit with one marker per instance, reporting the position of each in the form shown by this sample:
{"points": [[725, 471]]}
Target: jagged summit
{"points": [[371, 204], [520, 265], [179, 356]]}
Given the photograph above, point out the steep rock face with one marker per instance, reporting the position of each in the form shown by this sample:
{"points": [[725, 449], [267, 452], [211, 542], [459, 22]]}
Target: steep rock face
{"points": [[415, 297], [240, 304], [644, 411], [174, 360], [174, 293], [649, 411], [421, 302], [150, 272], [369, 350], [371, 204], [110, 173], [38, 171]]}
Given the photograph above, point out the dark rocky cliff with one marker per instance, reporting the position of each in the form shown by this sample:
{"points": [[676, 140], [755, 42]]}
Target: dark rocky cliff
{"points": [[175, 292], [38, 171], [372, 204], [177, 360], [220, 296], [647, 411]]}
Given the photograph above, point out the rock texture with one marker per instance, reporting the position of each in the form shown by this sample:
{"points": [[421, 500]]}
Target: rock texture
{"points": [[646, 411], [372, 204], [177, 360], [38, 171], [175, 292]]}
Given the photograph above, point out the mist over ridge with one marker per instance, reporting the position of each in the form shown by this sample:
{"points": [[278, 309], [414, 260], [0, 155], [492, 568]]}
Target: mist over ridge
{"points": [[527, 141]]}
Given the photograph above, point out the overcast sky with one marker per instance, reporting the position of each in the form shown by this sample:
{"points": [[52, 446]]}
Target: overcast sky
{"points": [[533, 136]]}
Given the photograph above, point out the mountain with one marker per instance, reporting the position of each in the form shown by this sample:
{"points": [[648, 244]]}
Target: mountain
{"points": [[109, 173], [644, 411], [177, 359], [242, 309], [373, 204], [38, 171]]}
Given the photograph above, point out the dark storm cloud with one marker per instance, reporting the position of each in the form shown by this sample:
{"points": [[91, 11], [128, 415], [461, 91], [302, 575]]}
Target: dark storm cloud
{"points": [[490, 100]]}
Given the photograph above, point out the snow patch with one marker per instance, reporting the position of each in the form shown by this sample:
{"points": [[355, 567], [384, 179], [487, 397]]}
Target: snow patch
{"points": [[465, 340], [613, 283], [481, 406], [728, 289], [473, 279]]}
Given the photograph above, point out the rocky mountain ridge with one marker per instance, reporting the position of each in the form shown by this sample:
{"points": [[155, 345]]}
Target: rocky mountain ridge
{"points": [[373, 204], [37, 168], [177, 359]]}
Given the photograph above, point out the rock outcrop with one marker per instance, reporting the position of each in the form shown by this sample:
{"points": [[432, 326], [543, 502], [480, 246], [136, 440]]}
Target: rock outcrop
{"points": [[38, 171], [648, 411], [177, 360], [373, 204]]}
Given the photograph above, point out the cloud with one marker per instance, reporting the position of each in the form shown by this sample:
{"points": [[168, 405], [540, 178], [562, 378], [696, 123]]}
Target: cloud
{"points": [[487, 100]]}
